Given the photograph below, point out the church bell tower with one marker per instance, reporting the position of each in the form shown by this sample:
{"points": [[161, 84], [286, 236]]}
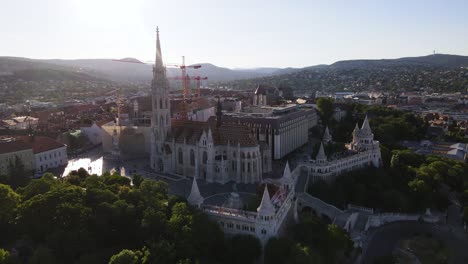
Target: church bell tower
{"points": [[161, 116]]}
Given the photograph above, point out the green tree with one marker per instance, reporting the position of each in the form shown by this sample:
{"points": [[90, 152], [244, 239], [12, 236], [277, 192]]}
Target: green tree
{"points": [[325, 106], [42, 255], [4, 256], [244, 249], [137, 180], [18, 176], [278, 250], [38, 186], [125, 256], [9, 201]]}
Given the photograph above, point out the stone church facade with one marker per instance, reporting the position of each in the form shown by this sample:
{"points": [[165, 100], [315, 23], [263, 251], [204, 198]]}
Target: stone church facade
{"points": [[213, 151]]}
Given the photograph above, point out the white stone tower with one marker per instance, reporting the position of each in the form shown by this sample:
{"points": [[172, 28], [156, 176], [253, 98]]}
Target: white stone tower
{"points": [[161, 118], [321, 157], [327, 136], [195, 197]]}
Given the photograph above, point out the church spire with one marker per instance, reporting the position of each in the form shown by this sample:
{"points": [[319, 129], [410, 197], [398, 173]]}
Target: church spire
{"points": [[158, 61]]}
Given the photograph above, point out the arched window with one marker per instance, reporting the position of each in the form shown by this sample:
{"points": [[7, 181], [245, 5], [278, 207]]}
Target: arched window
{"points": [[192, 157], [181, 156], [234, 154], [248, 155], [167, 119], [160, 103], [205, 157], [242, 155], [161, 121]]}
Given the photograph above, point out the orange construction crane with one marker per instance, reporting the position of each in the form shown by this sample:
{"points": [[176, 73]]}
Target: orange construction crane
{"points": [[198, 78], [187, 80]]}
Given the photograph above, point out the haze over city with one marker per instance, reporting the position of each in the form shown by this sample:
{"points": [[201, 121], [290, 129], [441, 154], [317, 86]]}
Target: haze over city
{"points": [[235, 34], [294, 132]]}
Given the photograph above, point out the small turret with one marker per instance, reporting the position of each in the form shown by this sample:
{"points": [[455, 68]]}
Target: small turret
{"points": [[321, 157], [365, 129], [195, 197], [266, 208], [326, 136], [287, 178]]}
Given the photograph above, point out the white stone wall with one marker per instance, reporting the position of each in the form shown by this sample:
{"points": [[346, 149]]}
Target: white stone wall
{"points": [[51, 159]]}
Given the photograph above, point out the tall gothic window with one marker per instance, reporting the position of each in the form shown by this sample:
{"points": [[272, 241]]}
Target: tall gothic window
{"points": [[192, 157], [181, 156], [205, 157], [160, 103]]}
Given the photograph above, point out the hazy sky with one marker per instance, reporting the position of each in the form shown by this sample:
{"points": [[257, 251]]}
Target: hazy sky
{"points": [[234, 33]]}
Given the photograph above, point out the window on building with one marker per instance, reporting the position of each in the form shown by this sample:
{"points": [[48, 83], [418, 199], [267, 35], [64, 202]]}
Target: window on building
{"points": [[181, 156], [263, 231], [205, 157], [192, 157]]}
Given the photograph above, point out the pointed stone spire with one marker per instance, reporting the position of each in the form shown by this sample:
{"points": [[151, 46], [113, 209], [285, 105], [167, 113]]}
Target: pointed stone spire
{"points": [[356, 128], [158, 63], [195, 197], [365, 126], [266, 208], [326, 136], [287, 177], [321, 154]]}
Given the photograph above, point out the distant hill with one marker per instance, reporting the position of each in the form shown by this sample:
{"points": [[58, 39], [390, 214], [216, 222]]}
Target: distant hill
{"points": [[437, 60], [128, 69], [437, 73], [131, 70], [12, 68]]}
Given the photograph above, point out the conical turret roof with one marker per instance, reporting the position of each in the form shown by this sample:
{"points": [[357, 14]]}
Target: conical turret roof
{"points": [[365, 125], [287, 177], [321, 154], [326, 136], [266, 207], [195, 197]]}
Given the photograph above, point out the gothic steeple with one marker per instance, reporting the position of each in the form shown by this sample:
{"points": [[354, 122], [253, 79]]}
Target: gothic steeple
{"points": [[161, 115], [158, 60]]}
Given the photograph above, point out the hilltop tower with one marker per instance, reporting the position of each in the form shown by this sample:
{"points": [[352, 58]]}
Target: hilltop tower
{"points": [[161, 116]]}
